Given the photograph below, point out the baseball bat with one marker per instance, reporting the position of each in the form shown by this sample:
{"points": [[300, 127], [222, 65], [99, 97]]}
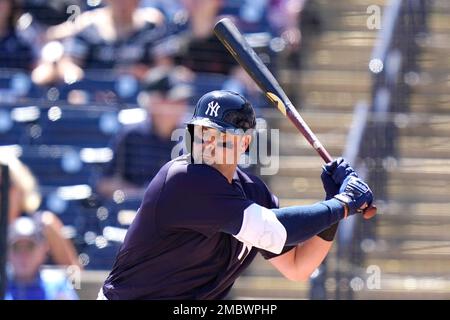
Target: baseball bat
{"points": [[243, 53]]}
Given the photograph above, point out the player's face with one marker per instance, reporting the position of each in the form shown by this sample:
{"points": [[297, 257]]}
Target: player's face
{"points": [[214, 147]]}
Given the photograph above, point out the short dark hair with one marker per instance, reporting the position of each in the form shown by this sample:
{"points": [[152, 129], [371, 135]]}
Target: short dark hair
{"points": [[244, 118]]}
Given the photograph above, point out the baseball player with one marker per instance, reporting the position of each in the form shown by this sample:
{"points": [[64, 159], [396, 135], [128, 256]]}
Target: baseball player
{"points": [[203, 220]]}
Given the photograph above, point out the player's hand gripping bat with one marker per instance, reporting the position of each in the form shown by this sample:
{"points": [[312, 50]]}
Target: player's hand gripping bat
{"points": [[236, 44]]}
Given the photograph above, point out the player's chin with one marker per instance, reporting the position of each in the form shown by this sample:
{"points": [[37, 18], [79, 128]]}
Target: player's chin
{"points": [[215, 158], [203, 158]]}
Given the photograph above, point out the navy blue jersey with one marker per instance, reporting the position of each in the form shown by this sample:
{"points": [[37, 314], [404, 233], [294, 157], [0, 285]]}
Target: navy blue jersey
{"points": [[176, 248]]}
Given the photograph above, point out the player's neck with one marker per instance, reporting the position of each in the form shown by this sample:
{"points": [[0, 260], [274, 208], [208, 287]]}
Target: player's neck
{"points": [[228, 170]]}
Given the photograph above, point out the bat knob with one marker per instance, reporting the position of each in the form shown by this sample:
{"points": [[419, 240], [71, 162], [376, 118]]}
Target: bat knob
{"points": [[370, 212]]}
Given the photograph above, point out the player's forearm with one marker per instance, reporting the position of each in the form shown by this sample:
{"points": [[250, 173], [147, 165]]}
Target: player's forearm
{"points": [[299, 263], [309, 256], [303, 222]]}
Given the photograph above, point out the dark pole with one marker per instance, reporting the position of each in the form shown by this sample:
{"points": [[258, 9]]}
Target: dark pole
{"points": [[4, 202]]}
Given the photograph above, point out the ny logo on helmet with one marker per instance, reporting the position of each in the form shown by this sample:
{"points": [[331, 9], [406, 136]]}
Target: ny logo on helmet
{"points": [[213, 107]]}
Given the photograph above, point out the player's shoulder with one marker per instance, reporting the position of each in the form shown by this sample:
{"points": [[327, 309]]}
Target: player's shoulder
{"points": [[182, 173], [182, 169], [258, 189], [252, 179]]}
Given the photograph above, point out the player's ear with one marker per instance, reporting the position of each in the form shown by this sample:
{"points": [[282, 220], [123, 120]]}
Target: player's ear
{"points": [[245, 143]]}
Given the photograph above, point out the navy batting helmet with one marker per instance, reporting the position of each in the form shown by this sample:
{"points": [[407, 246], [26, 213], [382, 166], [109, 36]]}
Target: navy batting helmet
{"points": [[225, 111]]}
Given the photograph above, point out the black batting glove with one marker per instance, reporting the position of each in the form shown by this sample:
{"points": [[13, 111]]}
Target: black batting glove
{"points": [[355, 194]]}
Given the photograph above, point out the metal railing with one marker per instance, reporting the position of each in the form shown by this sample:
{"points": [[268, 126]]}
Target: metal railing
{"points": [[372, 140], [345, 236], [395, 54]]}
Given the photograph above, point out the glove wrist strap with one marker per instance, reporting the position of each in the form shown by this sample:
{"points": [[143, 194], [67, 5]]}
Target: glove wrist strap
{"points": [[344, 200]]}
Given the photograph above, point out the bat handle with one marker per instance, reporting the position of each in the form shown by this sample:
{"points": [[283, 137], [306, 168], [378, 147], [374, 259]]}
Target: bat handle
{"points": [[324, 154]]}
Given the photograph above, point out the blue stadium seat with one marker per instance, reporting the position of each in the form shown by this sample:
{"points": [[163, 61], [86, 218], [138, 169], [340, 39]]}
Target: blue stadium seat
{"points": [[79, 126], [19, 124], [15, 84], [120, 215], [104, 89], [56, 165], [105, 227], [81, 217], [100, 255]]}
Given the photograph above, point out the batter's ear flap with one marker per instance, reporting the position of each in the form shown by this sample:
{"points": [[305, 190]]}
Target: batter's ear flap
{"points": [[188, 139]]}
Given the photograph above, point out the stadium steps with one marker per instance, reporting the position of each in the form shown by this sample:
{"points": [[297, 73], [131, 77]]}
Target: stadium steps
{"points": [[332, 101], [317, 120], [412, 248], [413, 243], [409, 287], [419, 146]]}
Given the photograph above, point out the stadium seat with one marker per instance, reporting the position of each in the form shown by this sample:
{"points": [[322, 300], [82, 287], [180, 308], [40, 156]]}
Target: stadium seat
{"points": [[100, 255], [79, 126], [106, 89], [56, 165], [15, 84], [120, 215], [19, 124]]}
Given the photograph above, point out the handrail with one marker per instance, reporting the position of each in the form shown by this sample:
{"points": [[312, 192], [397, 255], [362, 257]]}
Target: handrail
{"points": [[356, 133], [346, 228], [393, 55], [351, 153], [386, 36]]}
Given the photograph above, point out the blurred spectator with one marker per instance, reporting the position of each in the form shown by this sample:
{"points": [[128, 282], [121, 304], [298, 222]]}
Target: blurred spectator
{"points": [[118, 37], [292, 21], [25, 199], [200, 50], [194, 45], [15, 53], [27, 251], [50, 12], [140, 150], [39, 15], [278, 17]]}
